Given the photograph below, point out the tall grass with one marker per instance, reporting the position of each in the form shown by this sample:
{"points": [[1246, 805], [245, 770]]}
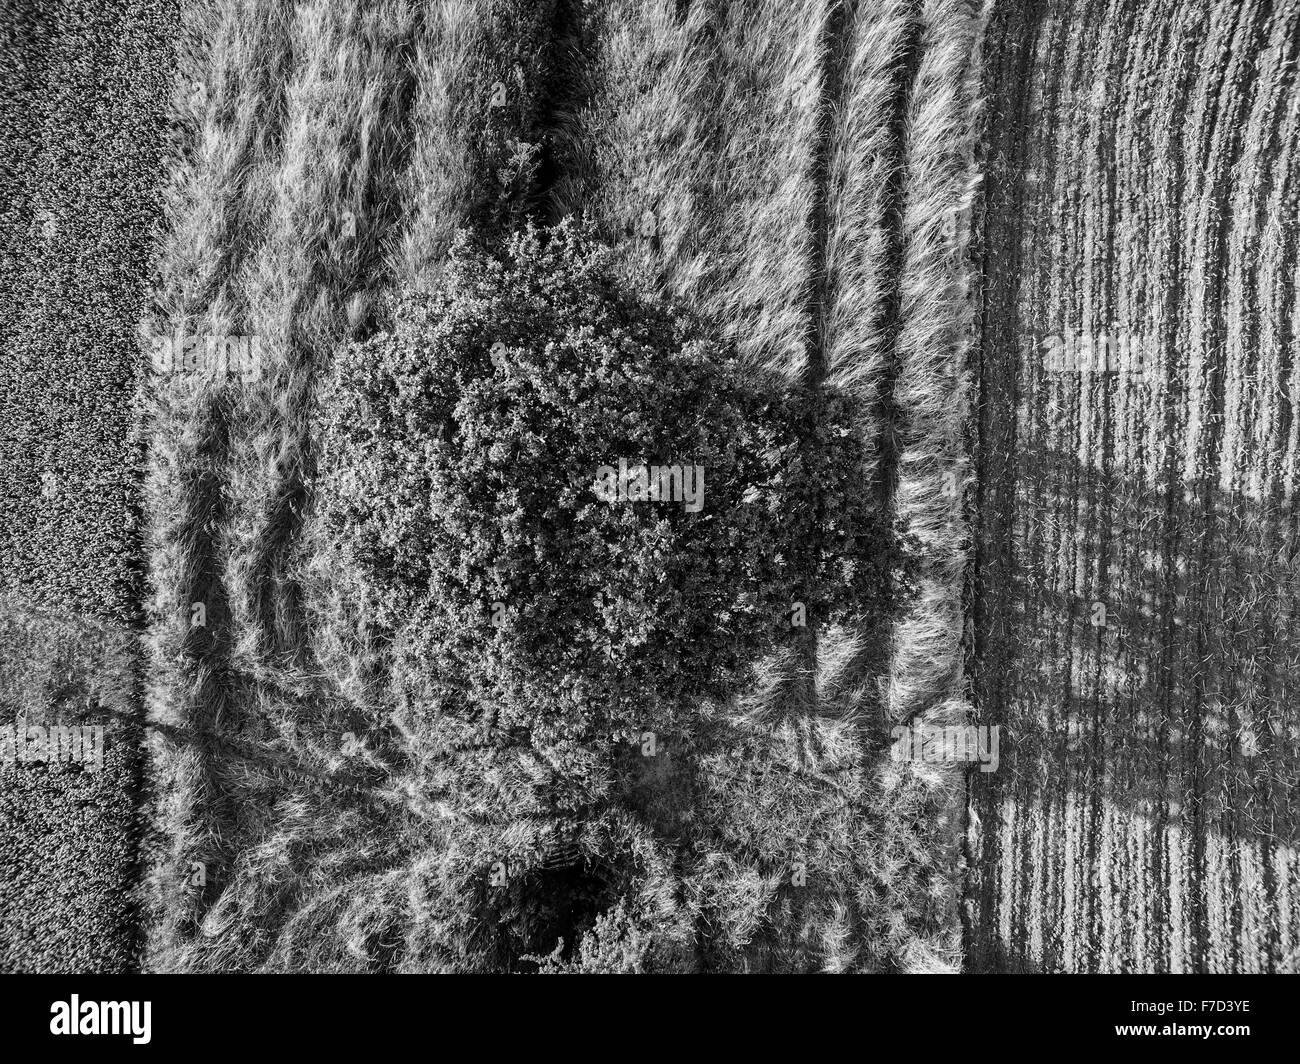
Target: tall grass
{"points": [[865, 198], [290, 117], [932, 390], [485, 72], [332, 197], [228, 99], [697, 152], [926, 684]]}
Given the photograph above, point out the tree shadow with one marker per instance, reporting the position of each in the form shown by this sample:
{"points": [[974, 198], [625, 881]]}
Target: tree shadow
{"points": [[1138, 644]]}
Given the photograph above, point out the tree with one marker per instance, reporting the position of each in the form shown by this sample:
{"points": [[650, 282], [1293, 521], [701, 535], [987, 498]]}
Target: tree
{"points": [[580, 515]]}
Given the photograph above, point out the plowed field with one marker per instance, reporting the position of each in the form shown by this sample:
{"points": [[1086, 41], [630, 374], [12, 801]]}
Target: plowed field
{"points": [[1134, 597]]}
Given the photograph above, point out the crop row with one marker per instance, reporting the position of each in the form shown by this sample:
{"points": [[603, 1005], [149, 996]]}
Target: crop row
{"points": [[83, 133], [1136, 569]]}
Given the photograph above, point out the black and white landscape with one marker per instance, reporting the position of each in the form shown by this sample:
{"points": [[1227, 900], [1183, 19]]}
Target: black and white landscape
{"points": [[642, 487]]}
